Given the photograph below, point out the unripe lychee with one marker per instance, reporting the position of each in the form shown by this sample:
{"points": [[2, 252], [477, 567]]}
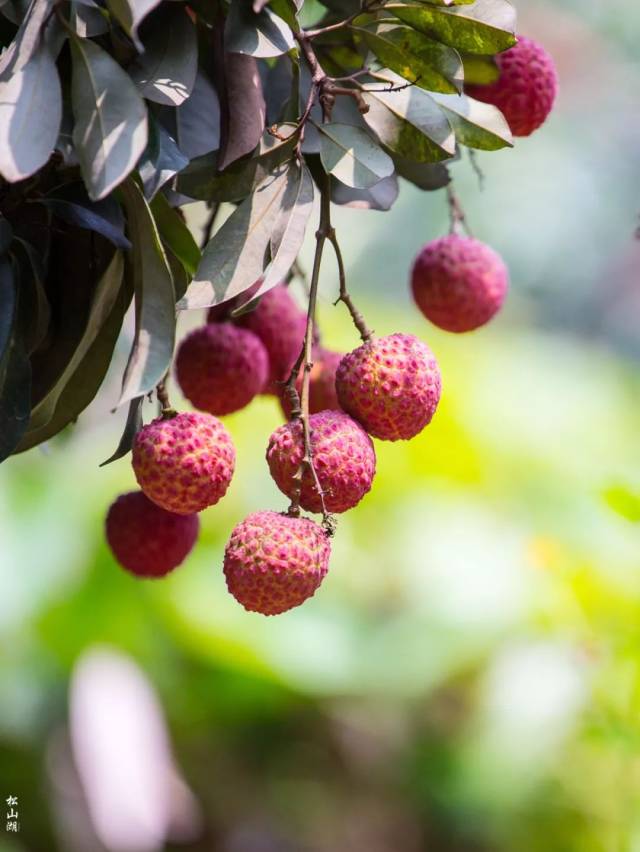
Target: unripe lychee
{"points": [[391, 385], [322, 383], [343, 458], [146, 540], [274, 562], [221, 367], [459, 283], [280, 325], [184, 463], [526, 89]]}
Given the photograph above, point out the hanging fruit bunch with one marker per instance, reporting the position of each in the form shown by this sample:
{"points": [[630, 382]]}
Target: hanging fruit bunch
{"points": [[113, 116]]}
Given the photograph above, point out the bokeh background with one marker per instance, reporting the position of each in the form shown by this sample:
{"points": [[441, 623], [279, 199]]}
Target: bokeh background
{"points": [[468, 676]]}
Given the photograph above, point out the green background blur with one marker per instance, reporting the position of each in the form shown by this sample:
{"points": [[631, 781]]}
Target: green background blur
{"points": [[467, 677]]}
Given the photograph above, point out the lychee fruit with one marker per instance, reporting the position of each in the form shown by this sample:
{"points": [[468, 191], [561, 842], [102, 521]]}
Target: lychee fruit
{"points": [[280, 325], [459, 283], [526, 89], [274, 562], [391, 385], [184, 463], [221, 367], [322, 383], [343, 458], [146, 540]]}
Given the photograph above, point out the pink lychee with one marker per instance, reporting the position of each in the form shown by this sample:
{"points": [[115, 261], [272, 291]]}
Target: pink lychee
{"points": [[280, 325], [391, 385], [322, 383], [220, 367], [146, 540], [343, 458], [184, 463], [459, 283], [526, 88], [274, 562]]}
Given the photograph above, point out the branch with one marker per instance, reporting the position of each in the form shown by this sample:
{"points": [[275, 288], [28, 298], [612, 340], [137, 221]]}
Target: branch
{"points": [[367, 8], [457, 217], [166, 409]]}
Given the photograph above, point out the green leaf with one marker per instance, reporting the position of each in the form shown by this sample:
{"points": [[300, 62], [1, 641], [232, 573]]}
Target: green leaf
{"points": [[30, 115], [351, 155], [131, 13], [72, 205], [161, 160], [382, 196], [476, 124], [88, 20], [175, 234], [261, 35], [479, 70], [408, 122], [234, 259], [197, 121], [27, 40], [486, 26], [132, 426], [154, 338], [290, 227], [166, 71], [32, 291], [416, 57], [110, 131], [201, 179], [427, 176], [15, 371]]}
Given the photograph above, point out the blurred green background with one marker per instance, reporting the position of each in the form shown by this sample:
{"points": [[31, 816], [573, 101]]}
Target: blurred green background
{"points": [[467, 677]]}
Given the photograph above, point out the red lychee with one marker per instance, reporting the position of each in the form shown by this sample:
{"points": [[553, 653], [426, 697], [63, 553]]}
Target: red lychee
{"points": [[280, 325], [459, 283], [220, 367], [391, 385], [343, 458], [274, 562], [322, 383], [526, 88], [184, 463], [146, 540]]}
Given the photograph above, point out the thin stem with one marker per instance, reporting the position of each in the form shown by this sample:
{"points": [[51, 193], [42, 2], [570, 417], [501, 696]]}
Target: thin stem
{"points": [[367, 8], [457, 218], [475, 165], [209, 224], [166, 409]]}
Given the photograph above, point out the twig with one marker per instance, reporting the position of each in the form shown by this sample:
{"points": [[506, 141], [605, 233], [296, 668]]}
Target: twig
{"points": [[475, 165], [457, 218], [367, 8], [208, 225]]}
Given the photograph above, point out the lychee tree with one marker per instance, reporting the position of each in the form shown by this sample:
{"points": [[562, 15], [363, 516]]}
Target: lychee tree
{"points": [[114, 115]]}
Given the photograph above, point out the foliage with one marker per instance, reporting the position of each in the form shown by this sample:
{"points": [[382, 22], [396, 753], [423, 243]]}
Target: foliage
{"points": [[115, 114]]}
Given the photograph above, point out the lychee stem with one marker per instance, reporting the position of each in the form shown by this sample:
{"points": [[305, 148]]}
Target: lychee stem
{"points": [[358, 320], [166, 409], [457, 217]]}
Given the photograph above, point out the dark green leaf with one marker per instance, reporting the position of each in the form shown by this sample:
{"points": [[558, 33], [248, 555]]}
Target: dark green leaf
{"points": [[104, 217], [88, 20], [132, 426], [6, 234], [175, 234], [32, 292], [379, 197], [161, 160], [416, 57], [30, 114], [427, 176], [480, 70], [15, 372], [27, 40], [152, 348], [408, 122], [486, 26], [234, 259], [202, 180], [166, 71], [110, 131], [351, 155], [476, 124], [260, 35], [196, 124], [245, 108], [131, 13]]}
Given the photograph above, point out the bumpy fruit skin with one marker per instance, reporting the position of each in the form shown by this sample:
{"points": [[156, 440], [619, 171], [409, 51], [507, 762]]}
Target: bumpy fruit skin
{"points": [[343, 458], [322, 383], [280, 325], [391, 385], [526, 88], [147, 540], [274, 562], [184, 463], [459, 283], [220, 367]]}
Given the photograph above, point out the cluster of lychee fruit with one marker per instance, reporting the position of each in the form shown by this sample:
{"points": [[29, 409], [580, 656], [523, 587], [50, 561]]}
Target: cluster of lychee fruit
{"points": [[387, 388]]}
